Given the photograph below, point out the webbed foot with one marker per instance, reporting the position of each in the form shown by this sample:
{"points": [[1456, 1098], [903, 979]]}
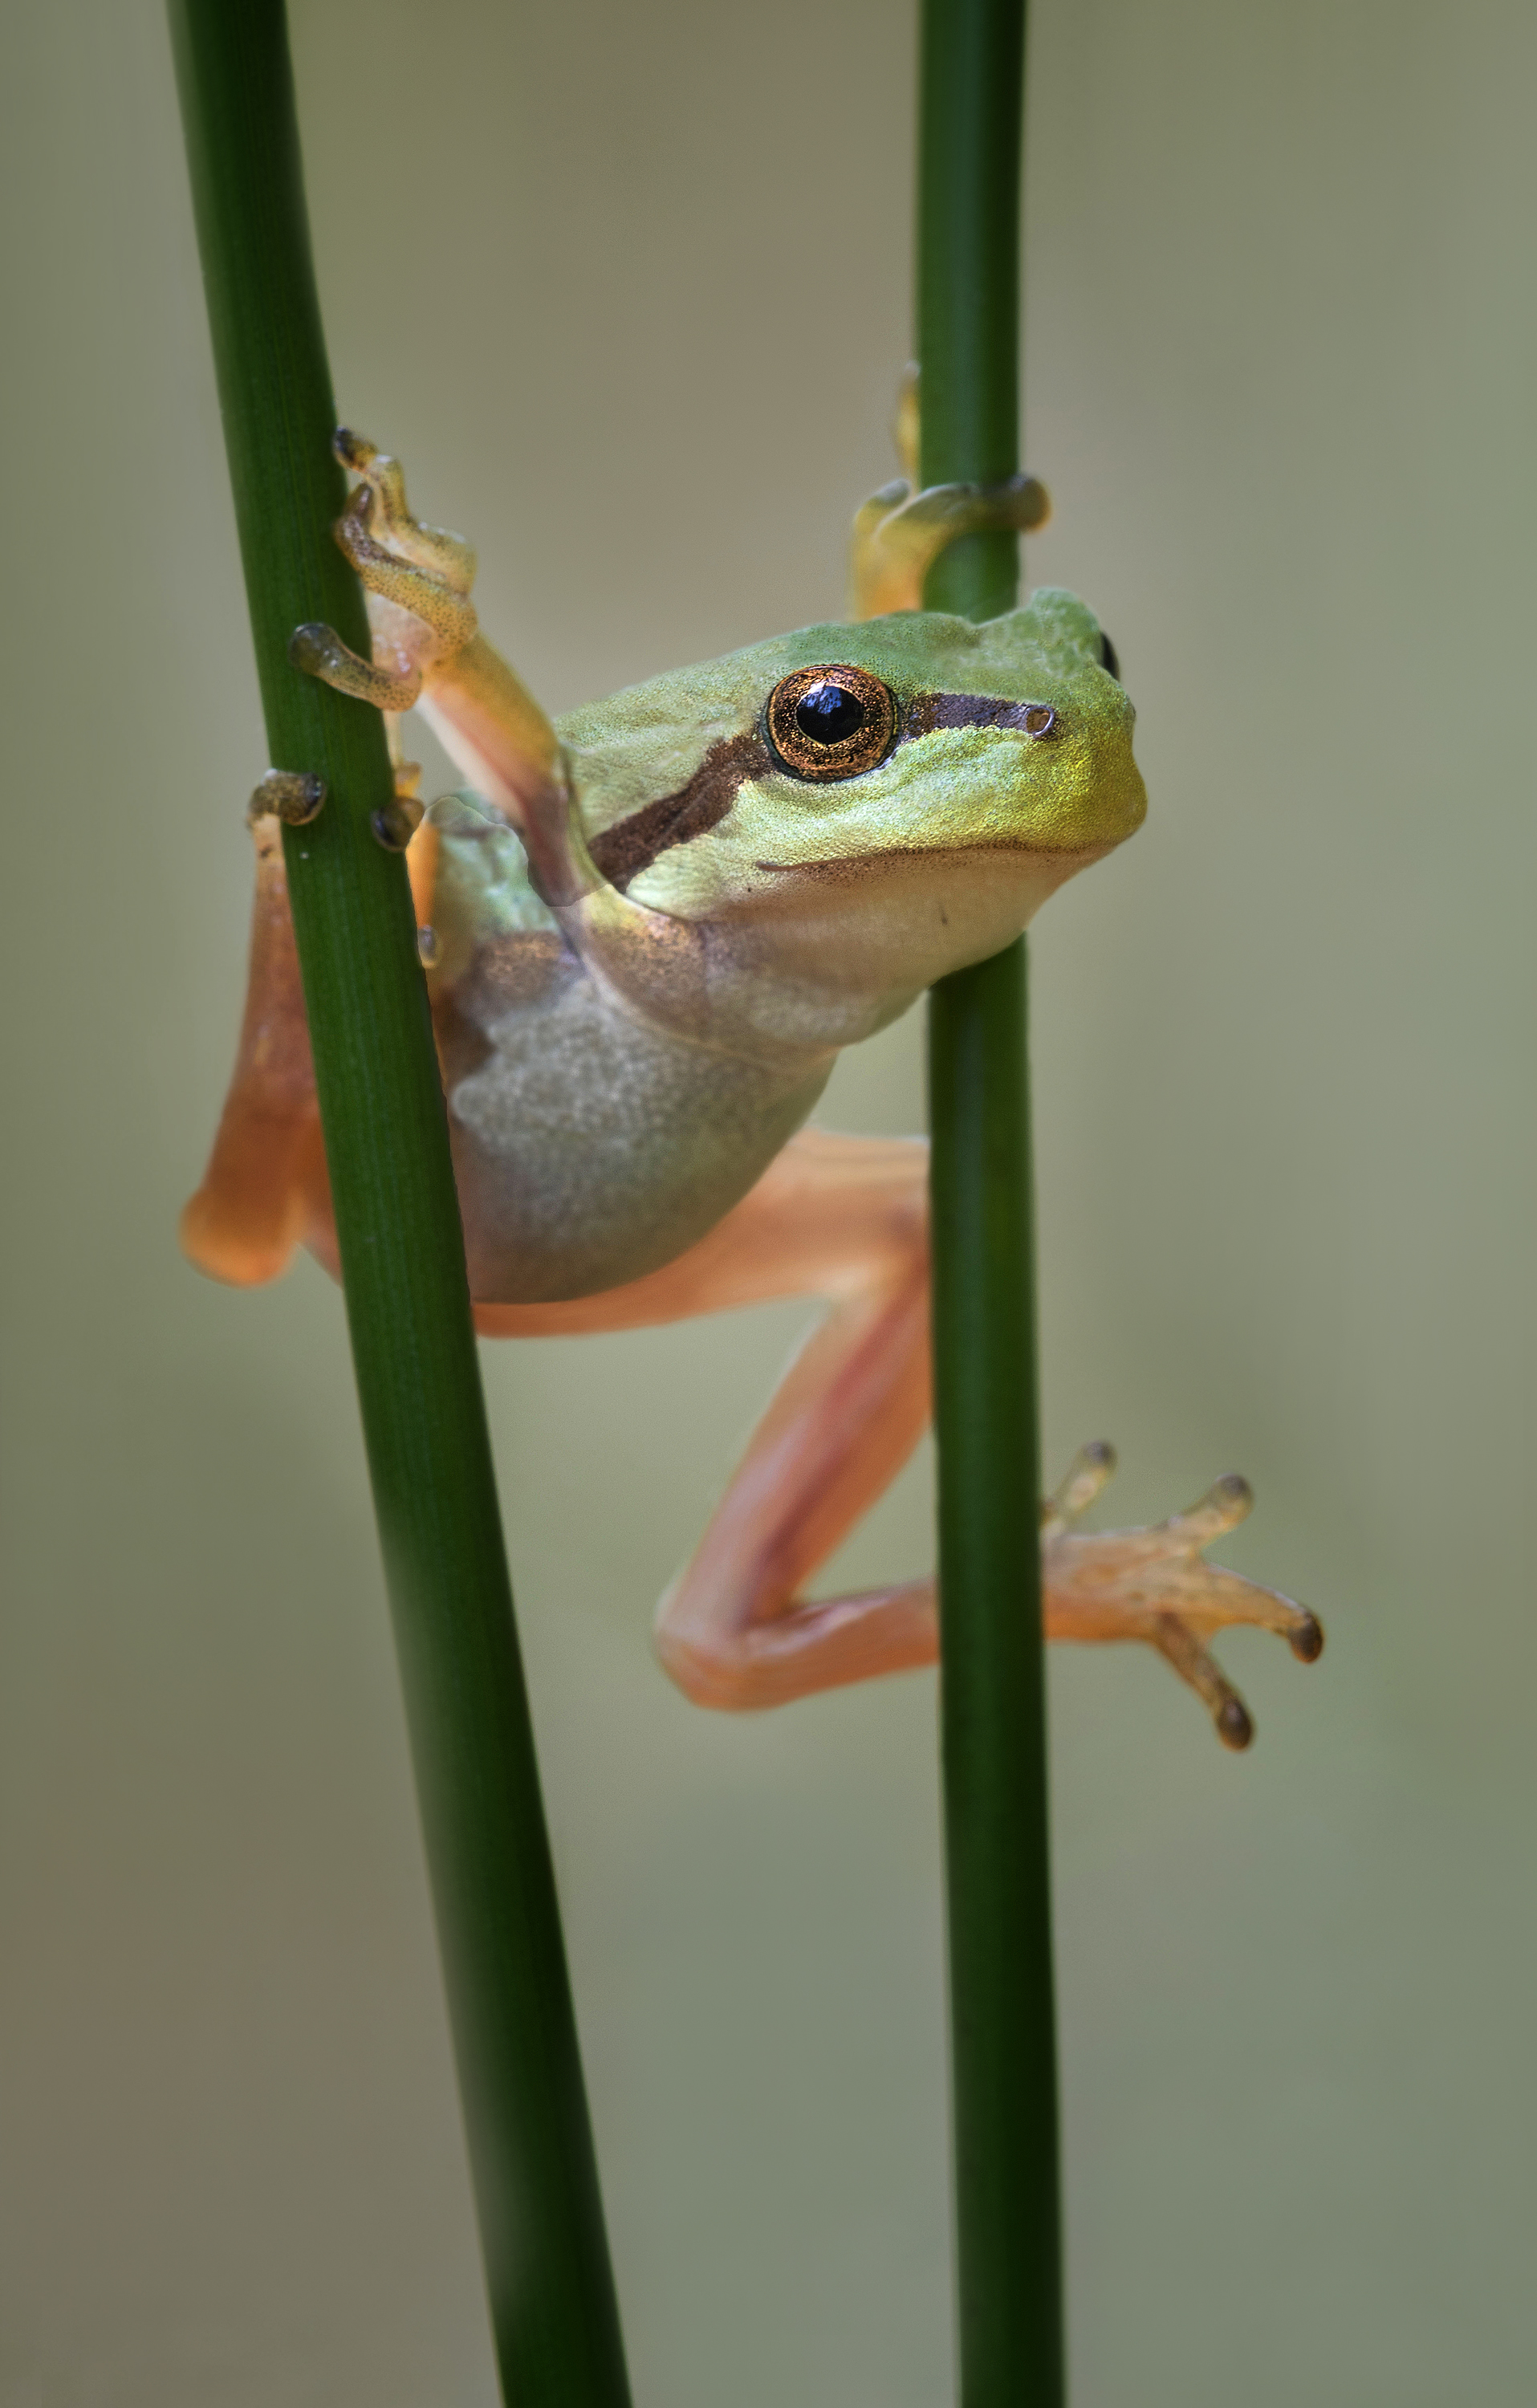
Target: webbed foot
{"points": [[1152, 1583]]}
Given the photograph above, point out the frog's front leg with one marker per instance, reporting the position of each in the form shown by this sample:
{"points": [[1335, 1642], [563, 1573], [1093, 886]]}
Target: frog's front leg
{"points": [[845, 1218], [428, 652], [264, 1189], [899, 532]]}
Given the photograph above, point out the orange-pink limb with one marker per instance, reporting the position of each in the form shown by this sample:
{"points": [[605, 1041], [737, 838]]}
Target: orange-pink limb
{"points": [[266, 1190], [255, 1201], [845, 1219]]}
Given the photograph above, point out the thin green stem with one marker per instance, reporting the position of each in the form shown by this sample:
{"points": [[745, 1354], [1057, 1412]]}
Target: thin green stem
{"points": [[398, 1224], [993, 1707]]}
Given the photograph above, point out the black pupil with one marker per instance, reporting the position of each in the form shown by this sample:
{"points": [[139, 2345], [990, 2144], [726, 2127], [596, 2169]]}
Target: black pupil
{"points": [[829, 714]]}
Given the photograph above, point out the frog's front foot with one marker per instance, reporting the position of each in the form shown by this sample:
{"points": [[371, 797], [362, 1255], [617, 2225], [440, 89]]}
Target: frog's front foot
{"points": [[899, 534], [417, 578], [1153, 1585], [295, 796]]}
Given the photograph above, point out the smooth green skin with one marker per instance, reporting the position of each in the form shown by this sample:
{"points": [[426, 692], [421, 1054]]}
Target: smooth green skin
{"points": [[943, 849], [955, 791], [622, 1067]]}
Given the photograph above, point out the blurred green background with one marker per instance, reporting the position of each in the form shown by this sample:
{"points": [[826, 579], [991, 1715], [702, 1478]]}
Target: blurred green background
{"points": [[628, 289]]}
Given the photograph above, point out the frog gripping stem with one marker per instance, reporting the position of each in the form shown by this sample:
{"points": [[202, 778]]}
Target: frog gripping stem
{"points": [[294, 796], [320, 653], [418, 580], [899, 534]]}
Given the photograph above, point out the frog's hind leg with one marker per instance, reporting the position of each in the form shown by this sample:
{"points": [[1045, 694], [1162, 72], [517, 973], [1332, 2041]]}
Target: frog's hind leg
{"points": [[837, 1217], [266, 1190], [265, 1177], [735, 1630], [845, 1218]]}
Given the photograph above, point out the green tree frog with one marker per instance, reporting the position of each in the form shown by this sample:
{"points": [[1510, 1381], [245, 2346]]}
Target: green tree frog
{"points": [[647, 929]]}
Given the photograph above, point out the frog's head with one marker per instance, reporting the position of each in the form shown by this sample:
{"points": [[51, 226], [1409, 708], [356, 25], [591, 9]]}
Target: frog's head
{"points": [[849, 812]]}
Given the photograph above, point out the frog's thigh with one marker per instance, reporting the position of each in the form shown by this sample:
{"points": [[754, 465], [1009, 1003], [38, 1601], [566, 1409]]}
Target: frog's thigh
{"points": [[265, 1189], [840, 1217], [252, 1209]]}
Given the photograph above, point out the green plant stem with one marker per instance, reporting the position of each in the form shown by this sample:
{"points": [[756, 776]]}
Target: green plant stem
{"points": [[993, 1705], [402, 1251]]}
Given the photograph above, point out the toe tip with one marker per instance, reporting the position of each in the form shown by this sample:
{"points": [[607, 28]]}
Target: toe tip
{"points": [[310, 645], [1235, 1725], [1306, 1641]]}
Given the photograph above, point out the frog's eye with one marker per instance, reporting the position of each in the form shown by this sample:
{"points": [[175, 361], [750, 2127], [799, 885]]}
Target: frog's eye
{"points": [[830, 722]]}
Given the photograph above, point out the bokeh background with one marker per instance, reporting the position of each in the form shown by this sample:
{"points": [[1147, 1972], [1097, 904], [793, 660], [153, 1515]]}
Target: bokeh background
{"points": [[629, 287]]}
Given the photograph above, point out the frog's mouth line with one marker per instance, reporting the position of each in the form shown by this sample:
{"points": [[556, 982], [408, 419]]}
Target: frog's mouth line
{"points": [[848, 867], [622, 852]]}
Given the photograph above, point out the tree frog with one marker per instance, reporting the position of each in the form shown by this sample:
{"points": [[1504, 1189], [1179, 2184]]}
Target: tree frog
{"points": [[647, 929]]}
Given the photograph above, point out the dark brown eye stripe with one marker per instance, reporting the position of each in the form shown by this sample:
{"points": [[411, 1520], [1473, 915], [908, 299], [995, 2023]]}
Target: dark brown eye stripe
{"points": [[631, 845], [621, 853], [927, 711]]}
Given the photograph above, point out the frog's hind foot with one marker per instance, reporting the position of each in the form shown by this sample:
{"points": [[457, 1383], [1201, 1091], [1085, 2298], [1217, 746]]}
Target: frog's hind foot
{"points": [[1154, 1584]]}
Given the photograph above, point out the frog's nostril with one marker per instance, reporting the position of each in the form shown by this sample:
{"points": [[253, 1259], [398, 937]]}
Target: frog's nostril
{"points": [[1107, 657], [1040, 720]]}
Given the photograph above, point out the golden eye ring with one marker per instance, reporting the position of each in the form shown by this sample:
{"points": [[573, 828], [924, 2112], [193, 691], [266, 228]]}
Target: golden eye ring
{"points": [[832, 721]]}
